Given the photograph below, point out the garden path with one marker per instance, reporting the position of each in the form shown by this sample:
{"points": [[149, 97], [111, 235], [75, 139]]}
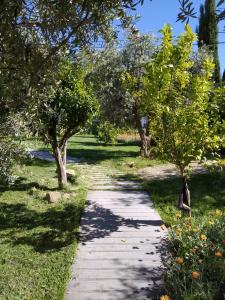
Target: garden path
{"points": [[121, 242]]}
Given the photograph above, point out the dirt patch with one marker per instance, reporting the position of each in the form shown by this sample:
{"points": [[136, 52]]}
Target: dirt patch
{"points": [[166, 171]]}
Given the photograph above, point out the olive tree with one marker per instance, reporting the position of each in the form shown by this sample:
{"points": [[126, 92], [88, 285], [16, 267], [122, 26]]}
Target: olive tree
{"points": [[120, 99], [64, 107], [177, 100]]}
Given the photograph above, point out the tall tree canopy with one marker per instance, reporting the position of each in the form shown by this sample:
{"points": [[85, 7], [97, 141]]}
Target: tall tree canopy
{"points": [[208, 33]]}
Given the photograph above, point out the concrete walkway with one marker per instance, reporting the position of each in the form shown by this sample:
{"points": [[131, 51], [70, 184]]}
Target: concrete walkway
{"points": [[121, 242]]}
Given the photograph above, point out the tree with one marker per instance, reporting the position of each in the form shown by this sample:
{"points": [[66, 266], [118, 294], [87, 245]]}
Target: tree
{"points": [[208, 33], [35, 33], [120, 101], [178, 104], [64, 107], [223, 77], [187, 10]]}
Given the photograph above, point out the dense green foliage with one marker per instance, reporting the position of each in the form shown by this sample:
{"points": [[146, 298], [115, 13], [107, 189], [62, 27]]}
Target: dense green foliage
{"points": [[65, 105], [120, 98], [208, 33], [177, 102], [33, 36]]}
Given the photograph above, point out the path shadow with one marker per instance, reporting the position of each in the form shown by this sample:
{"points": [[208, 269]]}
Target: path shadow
{"points": [[44, 231], [138, 281], [99, 222]]}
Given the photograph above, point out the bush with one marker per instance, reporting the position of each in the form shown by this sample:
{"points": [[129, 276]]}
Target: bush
{"points": [[10, 155], [107, 133], [196, 268]]}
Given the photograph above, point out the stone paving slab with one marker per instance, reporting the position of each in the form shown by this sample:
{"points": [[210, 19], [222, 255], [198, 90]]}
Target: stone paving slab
{"points": [[121, 243]]}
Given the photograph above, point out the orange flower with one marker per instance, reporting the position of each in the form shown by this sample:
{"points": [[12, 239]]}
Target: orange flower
{"points": [[195, 275], [188, 226], [179, 231], [203, 237], [218, 254], [165, 297], [180, 261]]}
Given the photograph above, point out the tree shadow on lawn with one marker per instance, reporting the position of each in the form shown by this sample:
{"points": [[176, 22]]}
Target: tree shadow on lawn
{"points": [[207, 191], [25, 186], [94, 156], [44, 231]]}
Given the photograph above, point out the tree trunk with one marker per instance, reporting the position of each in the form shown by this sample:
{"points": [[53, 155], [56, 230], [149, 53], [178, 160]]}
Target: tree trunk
{"points": [[145, 141], [64, 153], [61, 170], [184, 201]]}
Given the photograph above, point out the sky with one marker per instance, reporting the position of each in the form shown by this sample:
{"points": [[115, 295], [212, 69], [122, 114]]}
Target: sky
{"points": [[154, 14]]}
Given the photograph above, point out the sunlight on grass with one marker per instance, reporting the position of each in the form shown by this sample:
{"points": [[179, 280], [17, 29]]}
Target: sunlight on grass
{"points": [[38, 240]]}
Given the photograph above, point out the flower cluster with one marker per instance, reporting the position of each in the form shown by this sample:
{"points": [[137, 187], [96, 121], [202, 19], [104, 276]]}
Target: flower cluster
{"points": [[197, 258]]}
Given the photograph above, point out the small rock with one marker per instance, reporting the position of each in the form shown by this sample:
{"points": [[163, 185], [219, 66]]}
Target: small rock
{"points": [[53, 197], [70, 173], [71, 176]]}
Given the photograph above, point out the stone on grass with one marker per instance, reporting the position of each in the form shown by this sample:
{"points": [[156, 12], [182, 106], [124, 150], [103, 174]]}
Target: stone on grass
{"points": [[70, 173], [53, 197], [71, 176]]}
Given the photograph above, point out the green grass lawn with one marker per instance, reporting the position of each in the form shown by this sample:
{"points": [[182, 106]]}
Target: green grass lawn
{"points": [[207, 194], [120, 155], [37, 239]]}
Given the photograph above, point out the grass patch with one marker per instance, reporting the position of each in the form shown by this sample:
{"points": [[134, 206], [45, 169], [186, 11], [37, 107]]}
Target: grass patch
{"points": [[37, 239], [207, 193], [123, 155]]}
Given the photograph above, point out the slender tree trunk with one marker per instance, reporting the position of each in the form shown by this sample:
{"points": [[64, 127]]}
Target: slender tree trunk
{"points": [[184, 202], [61, 170], [145, 141], [64, 152]]}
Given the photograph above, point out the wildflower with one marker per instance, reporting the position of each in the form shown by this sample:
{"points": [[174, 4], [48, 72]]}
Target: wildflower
{"points": [[165, 297], [180, 261], [195, 230], [218, 254], [203, 237], [188, 226], [195, 275], [179, 231], [178, 215]]}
